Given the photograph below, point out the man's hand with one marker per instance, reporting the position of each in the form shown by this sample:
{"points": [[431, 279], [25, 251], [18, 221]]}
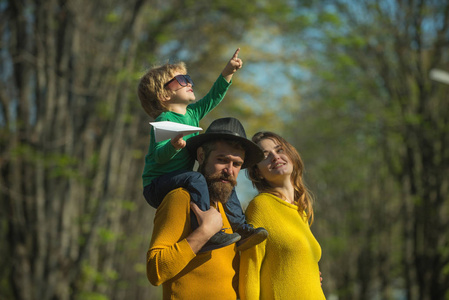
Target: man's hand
{"points": [[178, 142], [210, 222], [233, 65]]}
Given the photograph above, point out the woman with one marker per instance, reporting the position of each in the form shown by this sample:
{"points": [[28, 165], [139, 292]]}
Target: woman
{"points": [[285, 265]]}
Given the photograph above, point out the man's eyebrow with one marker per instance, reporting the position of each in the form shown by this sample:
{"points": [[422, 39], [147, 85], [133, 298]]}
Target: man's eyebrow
{"points": [[229, 156]]}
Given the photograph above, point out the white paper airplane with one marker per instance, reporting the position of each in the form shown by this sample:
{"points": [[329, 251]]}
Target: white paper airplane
{"points": [[165, 130]]}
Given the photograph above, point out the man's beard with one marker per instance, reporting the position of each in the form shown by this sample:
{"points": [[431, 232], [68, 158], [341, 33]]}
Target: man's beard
{"points": [[218, 190]]}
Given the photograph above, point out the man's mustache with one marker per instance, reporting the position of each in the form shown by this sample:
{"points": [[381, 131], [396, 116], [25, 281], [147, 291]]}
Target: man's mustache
{"points": [[220, 177]]}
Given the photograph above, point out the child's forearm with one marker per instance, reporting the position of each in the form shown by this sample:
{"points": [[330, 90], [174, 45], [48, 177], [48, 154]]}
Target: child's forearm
{"points": [[227, 78]]}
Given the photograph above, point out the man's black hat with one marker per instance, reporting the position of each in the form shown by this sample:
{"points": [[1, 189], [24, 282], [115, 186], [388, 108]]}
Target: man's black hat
{"points": [[228, 129]]}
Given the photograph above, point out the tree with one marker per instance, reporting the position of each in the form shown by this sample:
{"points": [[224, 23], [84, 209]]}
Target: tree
{"points": [[73, 136], [384, 121], [64, 176]]}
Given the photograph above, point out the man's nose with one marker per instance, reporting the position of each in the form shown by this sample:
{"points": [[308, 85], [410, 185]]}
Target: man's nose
{"points": [[228, 169]]}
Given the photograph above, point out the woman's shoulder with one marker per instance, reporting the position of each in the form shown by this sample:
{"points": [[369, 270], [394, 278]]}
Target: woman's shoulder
{"points": [[262, 196], [261, 200], [259, 209]]}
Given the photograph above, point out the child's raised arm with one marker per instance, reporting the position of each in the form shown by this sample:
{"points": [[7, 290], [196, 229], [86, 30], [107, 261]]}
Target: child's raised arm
{"points": [[233, 65]]}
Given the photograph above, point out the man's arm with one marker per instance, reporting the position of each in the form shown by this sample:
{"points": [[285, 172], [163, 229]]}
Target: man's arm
{"points": [[210, 222], [172, 245]]}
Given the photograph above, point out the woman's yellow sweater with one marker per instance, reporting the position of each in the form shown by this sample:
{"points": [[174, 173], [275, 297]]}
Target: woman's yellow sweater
{"points": [[172, 263], [285, 265]]}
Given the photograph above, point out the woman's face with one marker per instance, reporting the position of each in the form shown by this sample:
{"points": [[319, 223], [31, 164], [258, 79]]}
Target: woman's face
{"points": [[276, 165]]}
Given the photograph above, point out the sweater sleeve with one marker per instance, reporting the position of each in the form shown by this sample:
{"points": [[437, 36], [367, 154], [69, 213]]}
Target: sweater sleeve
{"points": [[250, 264], [251, 261], [169, 251]]}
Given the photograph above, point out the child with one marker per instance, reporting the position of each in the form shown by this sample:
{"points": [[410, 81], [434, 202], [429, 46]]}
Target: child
{"points": [[166, 94]]}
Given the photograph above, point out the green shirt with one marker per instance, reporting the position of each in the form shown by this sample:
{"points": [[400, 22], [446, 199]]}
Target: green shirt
{"points": [[162, 157]]}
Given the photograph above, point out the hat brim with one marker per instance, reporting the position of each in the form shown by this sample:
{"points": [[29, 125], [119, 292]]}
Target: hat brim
{"points": [[253, 153]]}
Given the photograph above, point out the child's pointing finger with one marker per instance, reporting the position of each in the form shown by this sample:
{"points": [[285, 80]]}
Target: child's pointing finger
{"points": [[236, 54]]}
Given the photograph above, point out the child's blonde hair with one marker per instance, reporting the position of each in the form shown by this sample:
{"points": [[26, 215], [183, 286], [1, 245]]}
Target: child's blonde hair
{"points": [[151, 89]]}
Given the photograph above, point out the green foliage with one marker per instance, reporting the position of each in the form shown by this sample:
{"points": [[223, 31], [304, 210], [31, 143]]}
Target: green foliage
{"points": [[140, 268], [92, 296], [112, 17], [106, 235], [330, 18], [104, 110], [99, 278], [58, 165], [129, 205]]}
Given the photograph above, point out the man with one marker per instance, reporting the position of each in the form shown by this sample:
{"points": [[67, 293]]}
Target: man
{"points": [[173, 258]]}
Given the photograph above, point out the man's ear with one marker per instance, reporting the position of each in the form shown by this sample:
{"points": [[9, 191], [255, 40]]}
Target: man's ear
{"points": [[200, 155]]}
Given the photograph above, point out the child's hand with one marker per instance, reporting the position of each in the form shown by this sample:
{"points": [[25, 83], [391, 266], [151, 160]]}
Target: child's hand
{"points": [[178, 142], [233, 65]]}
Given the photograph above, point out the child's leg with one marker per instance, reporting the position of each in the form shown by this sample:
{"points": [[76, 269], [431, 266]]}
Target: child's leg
{"points": [[234, 211], [194, 182], [250, 236], [149, 194]]}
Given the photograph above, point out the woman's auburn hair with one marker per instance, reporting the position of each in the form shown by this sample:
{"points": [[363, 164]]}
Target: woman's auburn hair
{"points": [[303, 197]]}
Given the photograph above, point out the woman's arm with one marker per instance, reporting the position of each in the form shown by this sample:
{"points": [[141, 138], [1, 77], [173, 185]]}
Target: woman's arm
{"points": [[251, 260]]}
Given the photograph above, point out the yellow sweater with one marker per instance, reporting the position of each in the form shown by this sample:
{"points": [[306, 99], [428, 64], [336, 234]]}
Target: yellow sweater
{"points": [[285, 265], [172, 263]]}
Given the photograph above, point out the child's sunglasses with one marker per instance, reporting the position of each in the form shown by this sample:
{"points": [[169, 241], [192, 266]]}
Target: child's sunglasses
{"points": [[183, 80]]}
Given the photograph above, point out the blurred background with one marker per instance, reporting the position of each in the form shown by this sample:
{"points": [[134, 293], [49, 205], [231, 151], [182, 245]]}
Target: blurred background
{"points": [[346, 82]]}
